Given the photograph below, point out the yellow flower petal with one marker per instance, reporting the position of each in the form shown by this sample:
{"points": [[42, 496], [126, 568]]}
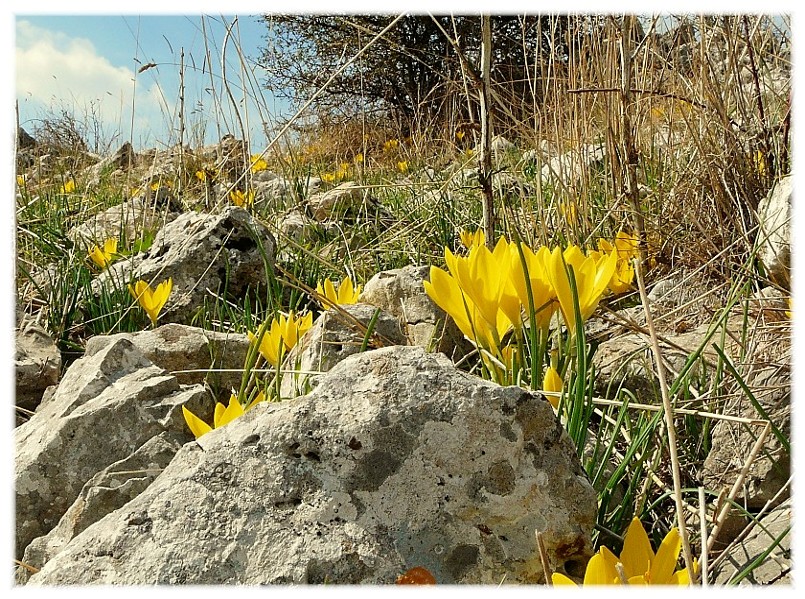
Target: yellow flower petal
{"points": [[233, 410], [559, 579], [599, 571], [197, 426], [637, 554], [664, 563]]}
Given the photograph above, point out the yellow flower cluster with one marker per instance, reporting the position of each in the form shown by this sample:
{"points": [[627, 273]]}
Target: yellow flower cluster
{"points": [[281, 336], [241, 198], [637, 563], [485, 292], [223, 415], [258, 163], [347, 293], [274, 342]]}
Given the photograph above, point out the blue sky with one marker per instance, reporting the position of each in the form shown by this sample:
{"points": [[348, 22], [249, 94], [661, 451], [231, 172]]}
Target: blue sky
{"points": [[89, 66]]}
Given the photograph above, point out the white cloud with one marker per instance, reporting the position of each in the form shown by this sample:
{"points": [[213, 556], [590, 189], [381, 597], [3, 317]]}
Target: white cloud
{"points": [[55, 71]]}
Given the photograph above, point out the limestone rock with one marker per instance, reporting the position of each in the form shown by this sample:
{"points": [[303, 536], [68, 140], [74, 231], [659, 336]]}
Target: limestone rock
{"points": [[396, 460], [108, 490], [571, 166], [203, 254], [731, 441], [37, 365], [774, 237], [327, 205], [106, 406], [181, 349], [400, 293], [129, 219], [334, 336], [776, 568]]}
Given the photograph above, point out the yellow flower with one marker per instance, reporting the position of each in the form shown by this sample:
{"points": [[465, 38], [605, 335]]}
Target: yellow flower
{"points": [[281, 336], [459, 135], [258, 163], [390, 145], [346, 294], [206, 174], [552, 383], [591, 281], [68, 187], [640, 564], [272, 345], [21, 180], [478, 293], [242, 199], [626, 247], [151, 301], [569, 212], [328, 177], [292, 328], [223, 415], [542, 291], [402, 166], [471, 238], [358, 158], [103, 257]]}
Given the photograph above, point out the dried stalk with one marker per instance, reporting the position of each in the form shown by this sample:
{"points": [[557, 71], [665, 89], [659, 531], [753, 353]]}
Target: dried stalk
{"points": [[485, 174]]}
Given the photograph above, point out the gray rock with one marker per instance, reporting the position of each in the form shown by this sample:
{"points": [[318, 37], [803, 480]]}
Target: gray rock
{"points": [[396, 460], [731, 441], [106, 406], [37, 364], [774, 237], [203, 254], [333, 203], [334, 336], [129, 219], [400, 292], [776, 567], [191, 354], [111, 488], [572, 165]]}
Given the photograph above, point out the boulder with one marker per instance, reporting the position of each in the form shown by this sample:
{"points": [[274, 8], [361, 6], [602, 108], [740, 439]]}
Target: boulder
{"points": [[776, 568], [396, 460], [731, 441], [191, 354], [37, 364], [400, 292], [106, 406], [774, 236], [572, 165], [335, 202], [336, 334], [226, 254], [111, 488], [129, 220]]}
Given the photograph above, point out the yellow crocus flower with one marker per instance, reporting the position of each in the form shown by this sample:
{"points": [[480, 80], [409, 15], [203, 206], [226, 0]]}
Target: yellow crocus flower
{"points": [[68, 187], [223, 415], [347, 293], [242, 199], [103, 257], [258, 163], [328, 177], [552, 383], [294, 327], [272, 345], [151, 301], [471, 238], [542, 292], [640, 564], [402, 166], [591, 281]]}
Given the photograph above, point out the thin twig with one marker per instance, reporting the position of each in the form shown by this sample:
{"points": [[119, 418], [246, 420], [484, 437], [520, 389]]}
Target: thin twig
{"points": [[543, 558]]}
